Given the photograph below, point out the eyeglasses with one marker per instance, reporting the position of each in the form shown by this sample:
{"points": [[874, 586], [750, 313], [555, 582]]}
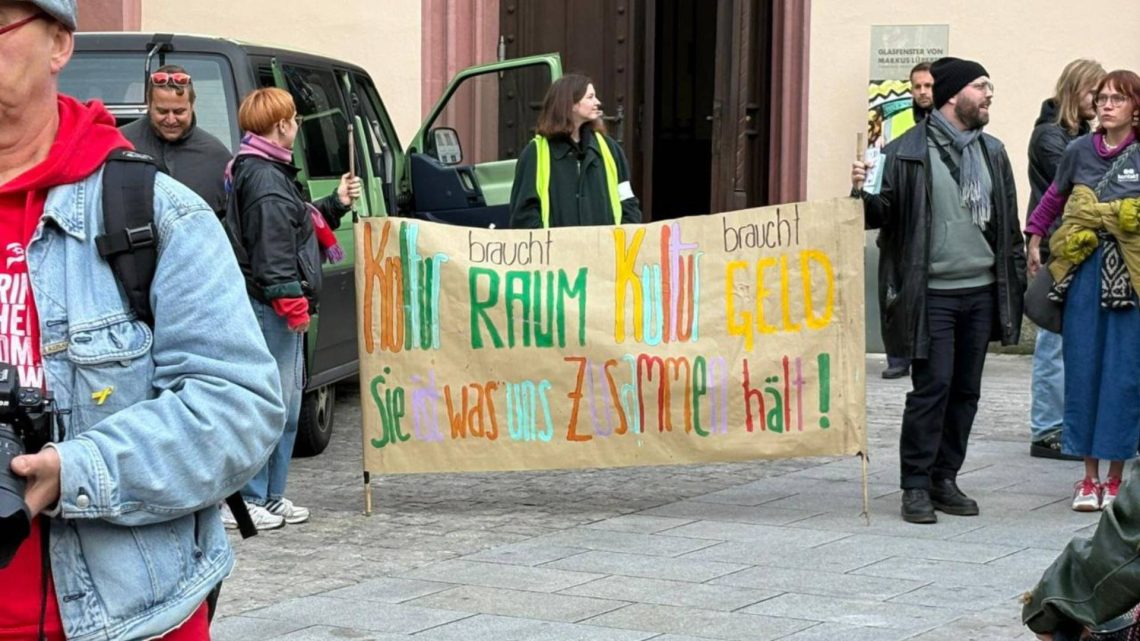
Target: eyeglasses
{"points": [[164, 78], [20, 23], [1116, 100], [298, 118], [983, 85]]}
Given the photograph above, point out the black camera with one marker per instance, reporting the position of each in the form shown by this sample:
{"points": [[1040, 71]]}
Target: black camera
{"points": [[25, 426]]}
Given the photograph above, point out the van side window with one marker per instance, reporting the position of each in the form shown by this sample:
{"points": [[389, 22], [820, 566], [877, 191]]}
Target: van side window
{"points": [[324, 130], [265, 76], [495, 113]]}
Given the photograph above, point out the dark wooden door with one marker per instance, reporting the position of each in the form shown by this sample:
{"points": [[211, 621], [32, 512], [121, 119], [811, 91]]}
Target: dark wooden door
{"points": [[600, 38], [741, 105]]}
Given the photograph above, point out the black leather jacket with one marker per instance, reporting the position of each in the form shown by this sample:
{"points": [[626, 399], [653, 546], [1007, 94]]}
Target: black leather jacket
{"points": [[272, 233], [1046, 146], [902, 211]]}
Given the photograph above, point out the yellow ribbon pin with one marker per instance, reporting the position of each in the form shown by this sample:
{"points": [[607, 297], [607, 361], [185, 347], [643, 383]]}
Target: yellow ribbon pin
{"points": [[100, 397]]}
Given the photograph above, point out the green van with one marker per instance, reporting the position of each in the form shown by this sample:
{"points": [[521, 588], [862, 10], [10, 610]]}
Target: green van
{"points": [[458, 168]]}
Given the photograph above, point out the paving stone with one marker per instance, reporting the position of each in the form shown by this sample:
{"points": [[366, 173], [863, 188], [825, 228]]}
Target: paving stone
{"points": [[947, 573], [869, 546], [1039, 536], [732, 626], [776, 554], [820, 500], [748, 532], [694, 510], [363, 615], [676, 593], [486, 627], [329, 633], [972, 598], [885, 520], [528, 553], [852, 612], [822, 583], [834, 631], [632, 542], [388, 590], [519, 603], [498, 575], [639, 523], [244, 628], [649, 567]]}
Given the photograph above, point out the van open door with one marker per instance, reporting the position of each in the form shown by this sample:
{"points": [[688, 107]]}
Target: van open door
{"points": [[461, 163]]}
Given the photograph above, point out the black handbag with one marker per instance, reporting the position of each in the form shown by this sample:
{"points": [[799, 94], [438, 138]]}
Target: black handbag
{"points": [[1045, 312]]}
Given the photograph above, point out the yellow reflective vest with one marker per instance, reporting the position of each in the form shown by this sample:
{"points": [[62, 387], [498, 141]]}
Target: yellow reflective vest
{"points": [[542, 176]]}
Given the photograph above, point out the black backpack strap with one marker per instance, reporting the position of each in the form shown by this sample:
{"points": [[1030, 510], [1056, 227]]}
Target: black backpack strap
{"points": [[241, 515], [130, 239], [130, 244]]}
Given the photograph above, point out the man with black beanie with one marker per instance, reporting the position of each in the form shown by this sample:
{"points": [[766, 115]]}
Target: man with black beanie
{"points": [[952, 267]]}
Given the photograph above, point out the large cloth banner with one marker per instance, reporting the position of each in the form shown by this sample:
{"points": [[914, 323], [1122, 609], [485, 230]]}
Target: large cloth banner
{"points": [[715, 338]]}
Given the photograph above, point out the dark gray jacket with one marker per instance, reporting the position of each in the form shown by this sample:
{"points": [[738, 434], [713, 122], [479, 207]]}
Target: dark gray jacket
{"points": [[197, 160], [269, 225]]}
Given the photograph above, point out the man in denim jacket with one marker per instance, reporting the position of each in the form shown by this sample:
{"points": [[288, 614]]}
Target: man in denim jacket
{"points": [[160, 425]]}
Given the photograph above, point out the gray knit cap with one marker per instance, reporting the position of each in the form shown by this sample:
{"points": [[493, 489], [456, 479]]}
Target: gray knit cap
{"points": [[64, 11]]}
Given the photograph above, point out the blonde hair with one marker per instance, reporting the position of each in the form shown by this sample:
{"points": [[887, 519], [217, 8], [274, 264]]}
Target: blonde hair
{"points": [[263, 108], [1079, 77]]}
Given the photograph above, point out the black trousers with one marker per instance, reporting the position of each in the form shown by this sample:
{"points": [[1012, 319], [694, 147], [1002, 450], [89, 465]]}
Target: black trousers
{"points": [[940, 409]]}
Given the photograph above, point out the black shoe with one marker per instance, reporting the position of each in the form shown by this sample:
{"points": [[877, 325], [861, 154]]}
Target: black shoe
{"points": [[946, 497], [897, 371], [917, 508], [1050, 447]]}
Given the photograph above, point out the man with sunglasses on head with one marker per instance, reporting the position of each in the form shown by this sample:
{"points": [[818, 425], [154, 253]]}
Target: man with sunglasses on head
{"points": [[953, 271], [170, 134], [114, 533]]}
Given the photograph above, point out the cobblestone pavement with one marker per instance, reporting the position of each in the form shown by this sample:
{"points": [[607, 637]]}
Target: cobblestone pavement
{"points": [[749, 551]]}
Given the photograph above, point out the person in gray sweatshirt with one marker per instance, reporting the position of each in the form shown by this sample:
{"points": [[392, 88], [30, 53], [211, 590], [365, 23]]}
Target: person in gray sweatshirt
{"points": [[952, 269]]}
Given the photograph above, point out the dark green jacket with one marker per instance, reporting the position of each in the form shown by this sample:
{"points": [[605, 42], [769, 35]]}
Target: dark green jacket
{"points": [[1095, 579], [578, 192]]}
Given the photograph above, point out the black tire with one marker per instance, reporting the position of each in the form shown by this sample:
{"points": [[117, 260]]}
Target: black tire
{"points": [[314, 428]]}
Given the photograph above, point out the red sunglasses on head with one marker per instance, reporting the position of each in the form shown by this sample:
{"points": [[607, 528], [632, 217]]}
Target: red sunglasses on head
{"points": [[163, 78]]}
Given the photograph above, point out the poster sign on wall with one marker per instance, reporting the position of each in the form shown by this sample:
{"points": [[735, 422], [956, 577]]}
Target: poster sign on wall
{"points": [[715, 338], [895, 50]]}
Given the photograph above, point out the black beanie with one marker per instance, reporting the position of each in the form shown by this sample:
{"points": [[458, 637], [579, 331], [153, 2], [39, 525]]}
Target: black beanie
{"points": [[951, 75]]}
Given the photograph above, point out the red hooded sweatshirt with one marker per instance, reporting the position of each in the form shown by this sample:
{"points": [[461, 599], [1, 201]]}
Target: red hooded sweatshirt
{"points": [[86, 136]]}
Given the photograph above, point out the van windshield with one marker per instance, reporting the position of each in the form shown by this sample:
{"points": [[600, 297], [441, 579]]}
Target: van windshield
{"points": [[118, 80]]}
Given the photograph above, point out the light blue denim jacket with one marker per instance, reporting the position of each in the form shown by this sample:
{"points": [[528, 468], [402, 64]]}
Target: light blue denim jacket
{"points": [[193, 412]]}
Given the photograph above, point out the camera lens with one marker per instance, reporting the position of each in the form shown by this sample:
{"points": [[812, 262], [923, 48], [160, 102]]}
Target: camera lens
{"points": [[15, 518]]}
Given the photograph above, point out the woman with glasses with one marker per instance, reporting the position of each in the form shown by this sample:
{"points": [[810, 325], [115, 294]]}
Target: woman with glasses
{"points": [[1096, 265], [275, 235]]}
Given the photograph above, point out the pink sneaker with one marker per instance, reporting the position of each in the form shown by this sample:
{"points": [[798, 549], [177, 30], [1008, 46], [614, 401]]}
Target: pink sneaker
{"points": [[1109, 489], [1086, 495]]}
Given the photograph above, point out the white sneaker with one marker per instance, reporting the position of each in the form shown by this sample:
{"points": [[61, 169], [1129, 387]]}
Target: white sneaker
{"points": [[285, 509], [1086, 495], [262, 518], [228, 519]]}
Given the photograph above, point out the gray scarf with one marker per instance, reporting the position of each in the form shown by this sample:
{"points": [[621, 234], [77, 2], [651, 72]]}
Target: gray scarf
{"points": [[974, 182]]}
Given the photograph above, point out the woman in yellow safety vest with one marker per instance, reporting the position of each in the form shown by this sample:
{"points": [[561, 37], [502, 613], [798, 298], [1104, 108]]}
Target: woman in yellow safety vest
{"points": [[572, 173]]}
